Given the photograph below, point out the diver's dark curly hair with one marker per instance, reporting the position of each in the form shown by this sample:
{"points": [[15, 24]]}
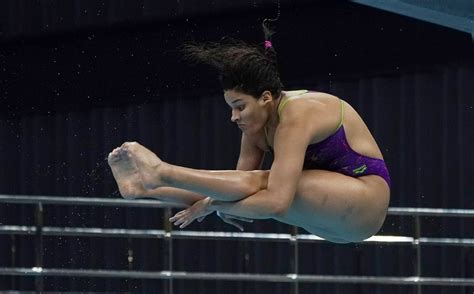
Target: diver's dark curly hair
{"points": [[240, 66]]}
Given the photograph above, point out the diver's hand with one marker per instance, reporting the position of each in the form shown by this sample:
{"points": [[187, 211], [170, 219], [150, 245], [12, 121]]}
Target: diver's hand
{"points": [[198, 210], [231, 220]]}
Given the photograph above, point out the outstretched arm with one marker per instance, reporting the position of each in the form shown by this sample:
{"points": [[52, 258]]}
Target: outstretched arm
{"points": [[291, 140]]}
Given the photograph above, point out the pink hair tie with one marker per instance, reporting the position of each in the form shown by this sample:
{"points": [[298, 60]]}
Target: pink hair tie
{"points": [[268, 44]]}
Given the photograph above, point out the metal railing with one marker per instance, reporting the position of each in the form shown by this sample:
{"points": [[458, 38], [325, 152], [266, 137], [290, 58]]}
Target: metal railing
{"points": [[39, 230]]}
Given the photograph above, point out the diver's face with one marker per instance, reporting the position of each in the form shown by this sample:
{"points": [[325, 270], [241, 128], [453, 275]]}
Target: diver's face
{"points": [[248, 113]]}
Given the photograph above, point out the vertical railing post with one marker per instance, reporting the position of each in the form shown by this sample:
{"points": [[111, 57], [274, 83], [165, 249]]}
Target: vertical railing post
{"points": [[130, 258], [168, 249], [39, 245], [295, 259], [13, 259], [418, 250]]}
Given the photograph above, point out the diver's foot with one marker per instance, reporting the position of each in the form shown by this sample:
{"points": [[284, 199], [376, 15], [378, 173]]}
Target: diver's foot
{"points": [[125, 173], [149, 166]]}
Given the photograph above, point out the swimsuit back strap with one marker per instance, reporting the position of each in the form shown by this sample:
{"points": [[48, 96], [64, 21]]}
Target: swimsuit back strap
{"points": [[342, 115], [285, 100], [282, 105]]}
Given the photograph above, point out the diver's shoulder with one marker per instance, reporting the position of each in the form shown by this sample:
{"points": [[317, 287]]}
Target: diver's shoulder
{"points": [[323, 96], [309, 94]]}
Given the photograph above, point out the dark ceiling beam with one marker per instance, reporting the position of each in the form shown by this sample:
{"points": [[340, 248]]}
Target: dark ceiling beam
{"points": [[458, 15]]}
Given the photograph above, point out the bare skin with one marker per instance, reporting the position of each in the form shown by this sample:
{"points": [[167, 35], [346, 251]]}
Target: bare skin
{"points": [[229, 185], [125, 172], [130, 186], [334, 206]]}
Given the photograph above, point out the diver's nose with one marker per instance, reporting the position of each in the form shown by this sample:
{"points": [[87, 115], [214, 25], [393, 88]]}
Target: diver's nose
{"points": [[235, 115]]}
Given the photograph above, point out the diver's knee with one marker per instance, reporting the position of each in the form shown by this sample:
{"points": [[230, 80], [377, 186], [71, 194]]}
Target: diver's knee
{"points": [[253, 181], [260, 179]]}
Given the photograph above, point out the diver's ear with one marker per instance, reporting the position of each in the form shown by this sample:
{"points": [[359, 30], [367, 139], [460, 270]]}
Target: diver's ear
{"points": [[266, 97]]}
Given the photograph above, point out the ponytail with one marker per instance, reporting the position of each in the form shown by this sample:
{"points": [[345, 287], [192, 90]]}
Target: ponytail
{"points": [[270, 51]]}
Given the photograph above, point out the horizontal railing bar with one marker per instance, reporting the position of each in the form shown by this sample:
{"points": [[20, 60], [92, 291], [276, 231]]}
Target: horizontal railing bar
{"points": [[58, 200], [104, 232], [82, 232], [117, 202], [415, 211], [154, 234], [288, 278], [447, 241]]}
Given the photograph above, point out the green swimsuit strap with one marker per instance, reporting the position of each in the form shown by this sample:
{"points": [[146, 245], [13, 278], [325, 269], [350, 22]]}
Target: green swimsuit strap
{"points": [[342, 115], [285, 100], [282, 105]]}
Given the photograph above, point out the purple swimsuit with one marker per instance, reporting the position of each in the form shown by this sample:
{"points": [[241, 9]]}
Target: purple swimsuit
{"points": [[335, 154]]}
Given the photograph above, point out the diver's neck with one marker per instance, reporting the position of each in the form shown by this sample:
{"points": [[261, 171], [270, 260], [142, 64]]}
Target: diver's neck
{"points": [[273, 118]]}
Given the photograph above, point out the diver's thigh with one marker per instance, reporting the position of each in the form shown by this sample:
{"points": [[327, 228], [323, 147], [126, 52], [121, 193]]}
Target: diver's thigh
{"points": [[342, 206]]}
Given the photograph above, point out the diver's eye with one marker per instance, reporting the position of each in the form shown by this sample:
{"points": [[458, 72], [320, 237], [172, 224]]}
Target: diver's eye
{"points": [[241, 107]]}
